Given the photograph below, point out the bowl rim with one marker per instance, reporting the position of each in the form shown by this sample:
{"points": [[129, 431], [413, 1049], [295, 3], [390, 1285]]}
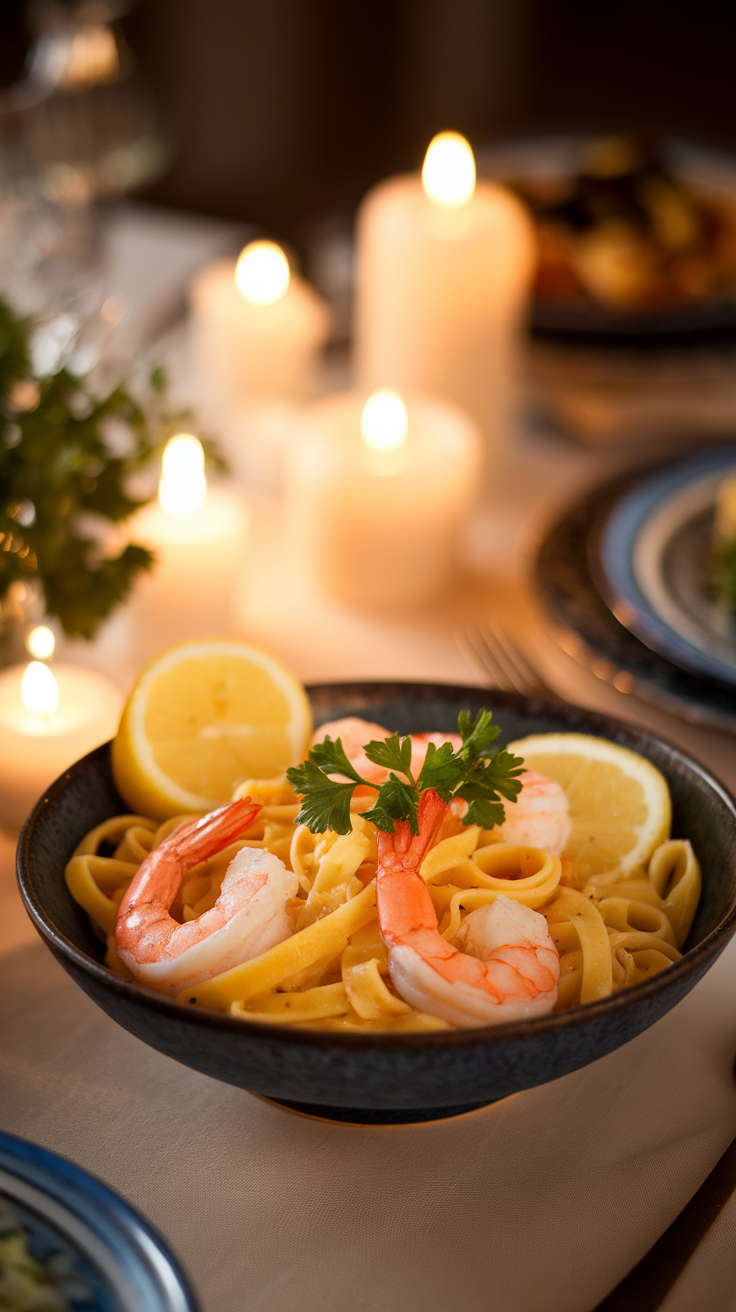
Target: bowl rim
{"points": [[504, 1031]]}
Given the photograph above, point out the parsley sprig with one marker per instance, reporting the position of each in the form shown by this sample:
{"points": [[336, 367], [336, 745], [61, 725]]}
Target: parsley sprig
{"points": [[475, 773]]}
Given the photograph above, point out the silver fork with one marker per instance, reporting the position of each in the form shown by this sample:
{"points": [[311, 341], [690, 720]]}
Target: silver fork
{"points": [[503, 664]]}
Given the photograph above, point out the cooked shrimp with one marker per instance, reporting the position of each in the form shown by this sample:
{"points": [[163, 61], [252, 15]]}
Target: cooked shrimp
{"points": [[505, 965], [420, 742], [248, 917], [354, 733], [541, 816]]}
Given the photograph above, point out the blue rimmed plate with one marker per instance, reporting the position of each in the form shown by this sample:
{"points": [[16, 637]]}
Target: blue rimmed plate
{"points": [[653, 565], [77, 1246]]}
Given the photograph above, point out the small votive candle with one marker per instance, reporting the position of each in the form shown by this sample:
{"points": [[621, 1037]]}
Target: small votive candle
{"points": [[376, 492], [256, 327], [198, 534], [48, 719]]}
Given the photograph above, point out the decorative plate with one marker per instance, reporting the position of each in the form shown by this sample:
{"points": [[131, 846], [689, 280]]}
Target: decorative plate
{"points": [[653, 558], [588, 630], [69, 1244]]}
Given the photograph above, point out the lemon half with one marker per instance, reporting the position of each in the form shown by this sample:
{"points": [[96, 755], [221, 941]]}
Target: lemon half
{"points": [[202, 716], [619, 802]]}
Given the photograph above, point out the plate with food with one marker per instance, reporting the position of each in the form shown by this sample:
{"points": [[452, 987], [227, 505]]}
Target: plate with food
{"points": [[665, 560], [634, 238], [568, 579], [434, 898], [69, 1244]]}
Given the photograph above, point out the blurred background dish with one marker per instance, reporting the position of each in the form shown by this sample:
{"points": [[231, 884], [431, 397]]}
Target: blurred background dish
{"points": [[585, 626], [633, 237], [69, 1244], [656, 562], [633, 314]]}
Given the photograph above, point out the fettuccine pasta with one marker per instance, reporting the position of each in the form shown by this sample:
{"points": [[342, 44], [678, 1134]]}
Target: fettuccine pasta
{"points": [[332, 972]]}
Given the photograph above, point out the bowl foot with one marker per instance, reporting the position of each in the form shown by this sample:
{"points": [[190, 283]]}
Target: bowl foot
{"points": [[375, 1116]]}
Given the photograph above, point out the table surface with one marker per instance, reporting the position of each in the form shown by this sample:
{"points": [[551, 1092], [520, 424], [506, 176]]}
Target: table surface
{"points": [[542, 1201]]}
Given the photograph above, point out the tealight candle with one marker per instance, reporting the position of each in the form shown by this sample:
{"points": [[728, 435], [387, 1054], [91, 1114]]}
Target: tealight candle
{"points": [[256, 327], [442, 269], [48, 719], [198, 535], [376, 491]]}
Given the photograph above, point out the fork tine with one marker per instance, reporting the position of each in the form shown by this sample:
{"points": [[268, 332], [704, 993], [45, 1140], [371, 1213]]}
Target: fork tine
{"points": [[529, 674], [475, 646], [494, 644], [499, 655], [504, 663]]}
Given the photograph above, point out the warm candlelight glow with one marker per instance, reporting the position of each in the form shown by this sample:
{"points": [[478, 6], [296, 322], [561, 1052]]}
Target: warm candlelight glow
{"points": [[262, 273], [41, 642], [38, 690], [448, 175], [384, 421], [82, 58], [376, 519], [183, 485]]}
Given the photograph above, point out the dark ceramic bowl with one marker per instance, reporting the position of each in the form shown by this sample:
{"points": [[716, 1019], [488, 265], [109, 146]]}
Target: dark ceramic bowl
{"points": [[388, 1077]]}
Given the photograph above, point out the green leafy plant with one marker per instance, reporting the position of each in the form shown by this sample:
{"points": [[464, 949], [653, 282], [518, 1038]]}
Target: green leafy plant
{"points": [[67, 460], [475, 773]]}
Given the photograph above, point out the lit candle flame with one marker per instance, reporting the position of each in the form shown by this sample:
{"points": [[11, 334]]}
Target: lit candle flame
{"points": [[384, 422], [38, 690], [41, 642], [183, 485], [448, 175], [262, 273]]}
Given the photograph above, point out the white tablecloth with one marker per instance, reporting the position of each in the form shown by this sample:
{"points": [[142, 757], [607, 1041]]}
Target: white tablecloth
{"points": [[540, 1203]]}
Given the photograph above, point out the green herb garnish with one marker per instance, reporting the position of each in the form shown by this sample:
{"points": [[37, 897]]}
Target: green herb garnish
{"points": [[67, 461], [724, 572], [475, 773]]}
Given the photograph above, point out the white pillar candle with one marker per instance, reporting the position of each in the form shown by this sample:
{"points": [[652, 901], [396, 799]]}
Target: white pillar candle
{"points": [[256, 327], [376, 493], [442, 271], [65, 713], [198, 534]]}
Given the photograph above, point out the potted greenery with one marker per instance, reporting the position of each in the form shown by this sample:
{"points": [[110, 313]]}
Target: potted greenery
{"points": [[70, 475]]}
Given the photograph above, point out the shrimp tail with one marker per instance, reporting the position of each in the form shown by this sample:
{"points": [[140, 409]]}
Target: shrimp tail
{"points": [[411, 849], [204, 838], [159, 877], [403, 902]]}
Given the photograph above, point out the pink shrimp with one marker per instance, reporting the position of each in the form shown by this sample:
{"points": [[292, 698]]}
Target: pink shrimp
{"points": [[354, 733], [248, 918], [540, 817], [514, 966]]}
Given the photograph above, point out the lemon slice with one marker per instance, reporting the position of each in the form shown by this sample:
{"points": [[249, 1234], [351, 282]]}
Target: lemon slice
{"points": [[202, 716], [619, 803]]}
